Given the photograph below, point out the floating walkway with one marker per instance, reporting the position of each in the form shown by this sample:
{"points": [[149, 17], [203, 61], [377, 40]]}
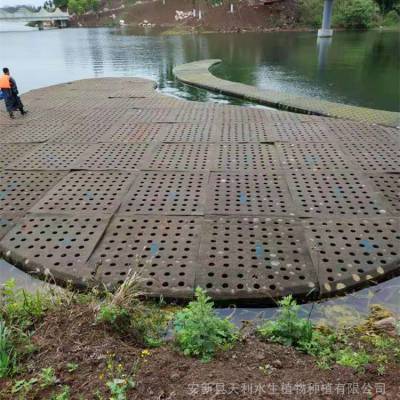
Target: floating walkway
{"points": [[108, 175], [198, 74]]}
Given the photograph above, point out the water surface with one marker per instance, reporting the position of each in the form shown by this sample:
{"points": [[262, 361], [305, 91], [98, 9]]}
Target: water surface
{"points": [[359, 68]]}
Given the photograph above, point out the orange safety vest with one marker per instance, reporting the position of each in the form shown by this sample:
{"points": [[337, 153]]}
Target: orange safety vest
{"points": [[5, 82]]}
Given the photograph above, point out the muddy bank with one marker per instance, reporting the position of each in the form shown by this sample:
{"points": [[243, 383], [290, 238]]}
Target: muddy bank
{"points": [[176, 16]]}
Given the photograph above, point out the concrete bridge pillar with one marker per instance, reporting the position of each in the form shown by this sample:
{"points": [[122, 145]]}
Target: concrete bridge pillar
{"points": [[40, 25], [326, 30]]}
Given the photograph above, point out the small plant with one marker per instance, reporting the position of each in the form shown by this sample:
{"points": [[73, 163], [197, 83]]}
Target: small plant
{"points": [[63, 395], [289, 329], [199, 332], [22, 387], [23, 309], [114, 315], [47, 377], [124, 312], [72, 367], [353, 359], [266, 369], [119, 381], [322, 346], [7, 354], [381, 370], [118, 388]]}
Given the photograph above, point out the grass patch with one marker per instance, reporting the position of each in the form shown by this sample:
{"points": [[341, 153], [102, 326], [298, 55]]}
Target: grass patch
{"points": [[342, 347], [7, 351], [126, 313]]}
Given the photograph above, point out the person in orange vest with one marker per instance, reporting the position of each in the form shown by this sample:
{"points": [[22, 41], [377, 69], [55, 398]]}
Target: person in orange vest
{"points": [[9, 90]]}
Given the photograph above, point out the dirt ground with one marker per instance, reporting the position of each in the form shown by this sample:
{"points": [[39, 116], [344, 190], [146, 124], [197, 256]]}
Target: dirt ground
{"points": [[252, 370], [279, 15]]}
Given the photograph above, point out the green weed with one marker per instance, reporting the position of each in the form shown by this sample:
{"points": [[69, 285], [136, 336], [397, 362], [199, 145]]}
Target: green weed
{"points": [[7, 352], [47, 377], [63, 395], [289, 329], [199, 332], [22, 388], [72, 367], [353, 359], [126, 313], [119, 381], [118, 388]]}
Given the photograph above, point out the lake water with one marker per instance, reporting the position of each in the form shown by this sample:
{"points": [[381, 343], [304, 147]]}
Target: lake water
{"points": [[359, 68]]}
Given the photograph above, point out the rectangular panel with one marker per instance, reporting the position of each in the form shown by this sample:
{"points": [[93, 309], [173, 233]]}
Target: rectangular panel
{"points": [[61, 245], [181, 157], [189, 132], [114, 156], [334, 193], [20, 190], [374, 156], [86, 192], [254, 257], [134, 132], [389, 186], [163, 250], [249, 194], [10, 152], [241, 131], [353, 251], [168, 193], [247, 157], [302, 131], [51, 156], [313, 156]]}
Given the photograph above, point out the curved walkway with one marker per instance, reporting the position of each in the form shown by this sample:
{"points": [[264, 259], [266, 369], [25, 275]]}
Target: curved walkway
{"points": [[198, 74], [107, 175]]}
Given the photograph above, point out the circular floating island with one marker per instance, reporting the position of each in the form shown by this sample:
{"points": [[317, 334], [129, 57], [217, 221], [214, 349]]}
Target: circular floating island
{"points": [[105, 176]]}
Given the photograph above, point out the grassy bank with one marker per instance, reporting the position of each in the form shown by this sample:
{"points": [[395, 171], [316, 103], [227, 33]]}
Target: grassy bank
{"points": [[102, 345]]}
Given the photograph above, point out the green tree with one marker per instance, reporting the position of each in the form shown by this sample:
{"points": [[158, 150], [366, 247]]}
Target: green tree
{"points": [[76, 6], [388, 5], [356, 14], [60, 3], [79, 7]]}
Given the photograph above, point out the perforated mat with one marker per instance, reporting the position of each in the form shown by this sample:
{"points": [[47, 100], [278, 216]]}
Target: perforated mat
{"points": [[190, 132], [334, 193], [389, 185], [249, 194], [181, 157], [351, 252], [62, 245], [20, 190], [254, 257], [374, 156], [51, 156], [313, 156], [86, 192], [114, 156], [163, 249], [166, 193], [133, 132]]}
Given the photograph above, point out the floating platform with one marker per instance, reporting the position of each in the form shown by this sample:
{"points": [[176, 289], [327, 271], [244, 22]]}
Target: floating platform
{"points": [[108, 175], [198, 74]]}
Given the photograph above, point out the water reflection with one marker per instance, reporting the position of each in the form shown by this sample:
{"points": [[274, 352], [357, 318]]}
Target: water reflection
{"points": [[291, 62], [323, 45]]}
